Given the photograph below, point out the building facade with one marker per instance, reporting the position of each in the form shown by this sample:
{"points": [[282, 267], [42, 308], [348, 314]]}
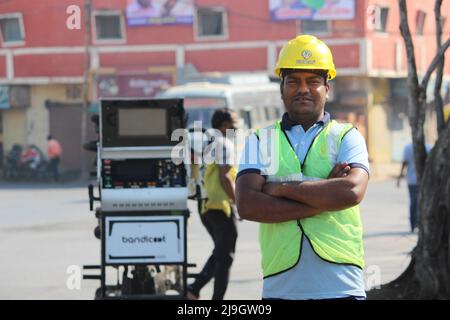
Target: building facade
{"points": [[139, 47]]}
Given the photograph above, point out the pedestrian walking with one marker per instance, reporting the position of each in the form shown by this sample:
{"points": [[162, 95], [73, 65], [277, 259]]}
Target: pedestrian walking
{"points": [[218, 215], [54, 153], [411, 179]]}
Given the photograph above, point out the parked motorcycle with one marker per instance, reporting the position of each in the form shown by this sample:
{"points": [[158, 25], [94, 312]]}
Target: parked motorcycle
{"points": [[26, 165]]}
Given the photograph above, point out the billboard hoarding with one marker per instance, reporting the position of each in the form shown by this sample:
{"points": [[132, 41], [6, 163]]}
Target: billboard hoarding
{"points": [[312, 9]]}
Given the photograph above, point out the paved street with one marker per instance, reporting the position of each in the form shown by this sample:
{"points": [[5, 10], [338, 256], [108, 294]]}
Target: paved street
{"points": [[45, 229]]}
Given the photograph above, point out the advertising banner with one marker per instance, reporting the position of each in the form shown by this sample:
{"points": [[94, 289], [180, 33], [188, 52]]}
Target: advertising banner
{"points": [[4, 97], [15, 97], [312, 9], [159, 12], [132, 85]]}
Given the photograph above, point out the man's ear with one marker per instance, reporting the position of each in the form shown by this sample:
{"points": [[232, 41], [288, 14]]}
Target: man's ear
{"points": [[327, 89]]}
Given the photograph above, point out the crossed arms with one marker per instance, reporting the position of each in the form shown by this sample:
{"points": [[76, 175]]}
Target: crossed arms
{"points": [[274, 202]]}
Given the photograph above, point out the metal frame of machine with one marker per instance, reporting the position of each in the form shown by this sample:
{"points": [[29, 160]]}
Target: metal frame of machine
{"points": [[140, 187]]}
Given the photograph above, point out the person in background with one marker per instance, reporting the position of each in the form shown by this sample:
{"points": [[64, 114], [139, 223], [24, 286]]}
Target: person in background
{"points": [[411, 179], [218, 215], [54, 152]]}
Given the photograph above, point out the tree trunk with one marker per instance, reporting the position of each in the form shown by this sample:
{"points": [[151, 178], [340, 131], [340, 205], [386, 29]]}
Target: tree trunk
{"points": [[416, 96], [438, 103], [428, 275], [432, 253]]}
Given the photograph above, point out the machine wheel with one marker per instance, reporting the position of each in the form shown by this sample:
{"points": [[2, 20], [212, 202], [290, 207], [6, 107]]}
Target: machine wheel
{"points": [[98, 294]]}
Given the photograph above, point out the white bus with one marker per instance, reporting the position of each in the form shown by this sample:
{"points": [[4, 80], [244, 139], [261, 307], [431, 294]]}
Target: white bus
{"points": [[255, 99]]}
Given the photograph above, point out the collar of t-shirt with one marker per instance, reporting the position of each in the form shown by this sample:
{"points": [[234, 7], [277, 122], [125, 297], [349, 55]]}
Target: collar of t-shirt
{"points": [[300, 139], [287, 123]]}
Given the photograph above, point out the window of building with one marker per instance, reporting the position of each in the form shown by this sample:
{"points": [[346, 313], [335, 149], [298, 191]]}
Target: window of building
{"points": [[316, 27], [278, 112], [109, 26], [267, 114], [381, 19], [420, 21], [12, 29], [211, 23], [256, 116], [246, 116]]}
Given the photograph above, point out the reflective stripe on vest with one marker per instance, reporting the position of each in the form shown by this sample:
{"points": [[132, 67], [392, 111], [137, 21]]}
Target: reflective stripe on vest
{"points": [[336, 236]]}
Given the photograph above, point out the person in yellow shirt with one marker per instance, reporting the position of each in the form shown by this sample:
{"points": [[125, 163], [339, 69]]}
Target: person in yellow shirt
{"points": [[217, 215], [446, 112]]}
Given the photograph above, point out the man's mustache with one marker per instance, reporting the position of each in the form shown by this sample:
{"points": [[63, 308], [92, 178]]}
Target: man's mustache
{"points": [[303, 97]]}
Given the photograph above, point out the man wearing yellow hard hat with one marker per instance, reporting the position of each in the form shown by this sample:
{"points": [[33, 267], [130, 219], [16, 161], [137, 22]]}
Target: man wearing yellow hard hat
{"points": [[304, 185]]}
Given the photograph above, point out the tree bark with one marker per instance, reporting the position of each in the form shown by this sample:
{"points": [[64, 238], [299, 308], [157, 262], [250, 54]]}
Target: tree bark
{"points": [[432, 254], [439, 104], [428, 274], [417, 94]]}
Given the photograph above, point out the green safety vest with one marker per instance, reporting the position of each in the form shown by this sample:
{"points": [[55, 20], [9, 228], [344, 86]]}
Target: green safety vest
{"points": [[335, 236]]}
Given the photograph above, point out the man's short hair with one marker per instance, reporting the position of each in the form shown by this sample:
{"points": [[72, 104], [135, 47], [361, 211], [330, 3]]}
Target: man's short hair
{"points": [[319, 72], [49, 137], [220, 116]]}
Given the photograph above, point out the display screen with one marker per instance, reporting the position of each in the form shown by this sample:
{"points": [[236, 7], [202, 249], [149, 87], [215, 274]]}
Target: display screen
{"points": [[142, 122], [135, 170]]}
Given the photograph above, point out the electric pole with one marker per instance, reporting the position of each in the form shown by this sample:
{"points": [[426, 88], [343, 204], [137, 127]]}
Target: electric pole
{"points": [[86, 82]]}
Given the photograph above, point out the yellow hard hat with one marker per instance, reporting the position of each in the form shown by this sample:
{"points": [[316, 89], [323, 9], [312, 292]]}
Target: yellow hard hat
{"points": [[306, 52]]}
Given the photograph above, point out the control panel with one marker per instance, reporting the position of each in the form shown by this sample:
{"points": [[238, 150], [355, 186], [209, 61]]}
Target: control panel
{"points": [[142, 173]]}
